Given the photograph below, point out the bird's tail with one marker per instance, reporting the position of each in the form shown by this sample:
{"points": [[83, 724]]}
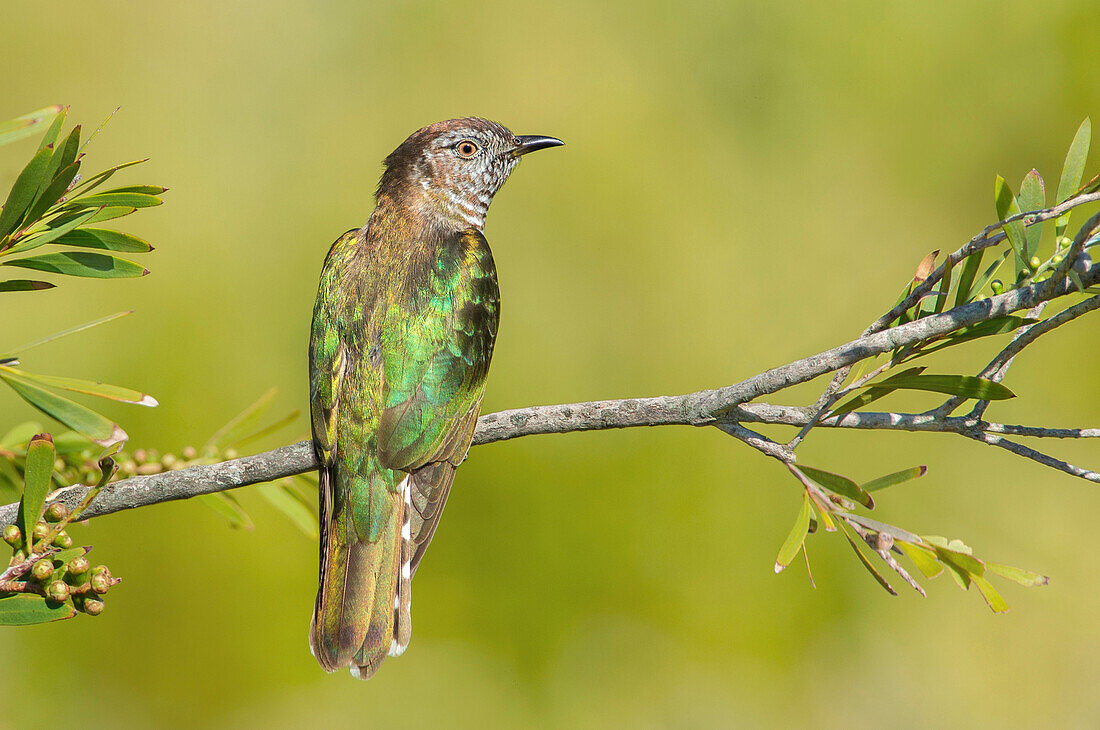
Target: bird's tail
{"points": [[362, 610]]}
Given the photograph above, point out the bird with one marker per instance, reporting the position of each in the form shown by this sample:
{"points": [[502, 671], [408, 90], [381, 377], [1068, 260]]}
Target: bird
{"points": [[402, 335]]}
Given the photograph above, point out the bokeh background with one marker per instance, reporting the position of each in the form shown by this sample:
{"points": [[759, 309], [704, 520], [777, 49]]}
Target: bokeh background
{"points": [[744, 184]]}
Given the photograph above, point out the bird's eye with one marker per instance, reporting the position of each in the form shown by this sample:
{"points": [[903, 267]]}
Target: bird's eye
{"points": [[466, 148]]}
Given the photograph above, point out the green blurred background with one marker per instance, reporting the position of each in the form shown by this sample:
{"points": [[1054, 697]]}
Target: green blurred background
{"points": [[743, 184]]}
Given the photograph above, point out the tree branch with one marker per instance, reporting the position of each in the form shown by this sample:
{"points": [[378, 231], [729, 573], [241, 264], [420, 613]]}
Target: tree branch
{"points": [[726, 408]]}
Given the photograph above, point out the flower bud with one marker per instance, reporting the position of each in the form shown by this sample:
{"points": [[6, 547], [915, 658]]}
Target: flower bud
{"points": [[58, 591], [13, 535], [230, 454], [78, 571], [101, 582], [42, 570], [189, 452], [168, 460], [62, 540], [1056, 260], [56, 512], [1034, 263], [997, 286], [884, 541], [93, 606], [41, 529], [140, 455]]}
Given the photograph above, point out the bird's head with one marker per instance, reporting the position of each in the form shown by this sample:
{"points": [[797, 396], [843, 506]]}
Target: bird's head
{"points": [[451, 170]]}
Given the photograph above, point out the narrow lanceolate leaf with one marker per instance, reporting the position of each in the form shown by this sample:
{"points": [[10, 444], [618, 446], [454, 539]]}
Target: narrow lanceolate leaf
{"points": [[23, 609], [24, 285], [990, 594], [793, 543], [128, 200], [23, 192], [51, 193], [64, 333], [88, 387], [54, 130], [1033, 196], [290, 503], [872, 393], [1027, 578], [28, 124], [966, 281], [48, 235], [945, 286], [38, 475], [966, 386], [102, 238], [65, 153], [995, 326], [81, 263], [842, 485], [228, 507], [96, 216], [897, 477], [96, 427], [870, 568], [1007, 206], [101, 177], [143, 189], [924, 559], [1073, 170]]}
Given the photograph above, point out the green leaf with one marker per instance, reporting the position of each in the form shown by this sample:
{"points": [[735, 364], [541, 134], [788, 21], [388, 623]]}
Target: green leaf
{"points": [[996, 326], [54, 130], [990, 594], [48, 235], [24, 285], [966, 386], [144, 189], [96, 427], [1027, 578], [82, 263], [228, 507], [945, 285], [23, 192], [793, 544], [101, 177], [23, 609], [1006, 208], [97, 216], [872, 393], [38, 476], [104, 239], [129, 200], [28, 124], [88, 387], [64, 333], [897, 477], [1072, 171], [65, 155], [291, 504], [964, 561], [870, 568], [51, 193], [842, 485], [970, 270], [1033, 197], [924, 559]]}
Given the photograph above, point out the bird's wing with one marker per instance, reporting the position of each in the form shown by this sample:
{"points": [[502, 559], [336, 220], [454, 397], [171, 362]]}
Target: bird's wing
{"points": [[434, 369]]}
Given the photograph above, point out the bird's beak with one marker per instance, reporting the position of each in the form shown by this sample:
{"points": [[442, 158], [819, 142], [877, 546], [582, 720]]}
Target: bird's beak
{"points": [[532, 142]]}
